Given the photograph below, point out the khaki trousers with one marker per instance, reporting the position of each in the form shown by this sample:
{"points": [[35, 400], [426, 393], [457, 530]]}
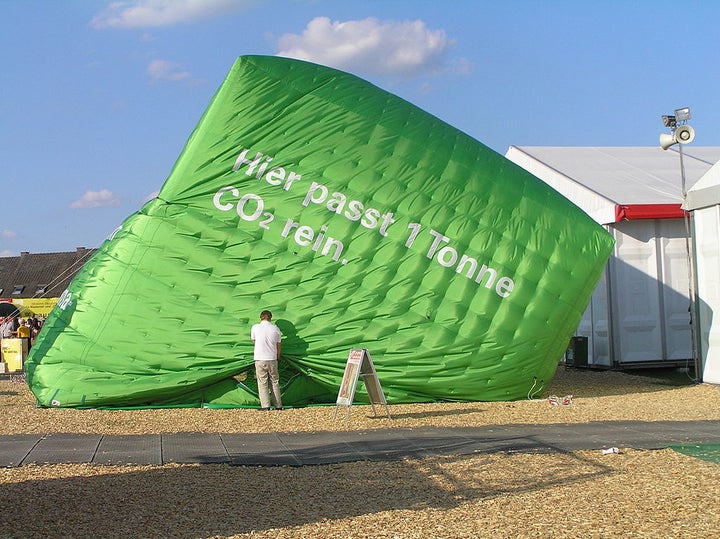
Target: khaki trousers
{"points": [[268, 371]]}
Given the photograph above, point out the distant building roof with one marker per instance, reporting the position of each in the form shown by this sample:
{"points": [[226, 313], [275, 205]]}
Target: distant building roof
{"points": [[617, 183], [36, 275]]}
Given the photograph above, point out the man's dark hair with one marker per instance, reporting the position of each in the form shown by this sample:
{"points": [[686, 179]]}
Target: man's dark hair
{"points": [[266, 315]]}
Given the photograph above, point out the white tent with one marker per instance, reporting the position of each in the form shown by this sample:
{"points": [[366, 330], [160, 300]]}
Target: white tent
{"points": [[639, 313], [703, 200]]}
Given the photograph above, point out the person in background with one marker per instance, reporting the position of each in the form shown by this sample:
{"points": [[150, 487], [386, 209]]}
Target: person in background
{"points": [[266, 337], [23, 330], [6, 328], [34, 329]]}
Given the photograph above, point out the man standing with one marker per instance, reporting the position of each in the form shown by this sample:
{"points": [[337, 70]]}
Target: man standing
{"points": [[6, 328], [266, 337]]}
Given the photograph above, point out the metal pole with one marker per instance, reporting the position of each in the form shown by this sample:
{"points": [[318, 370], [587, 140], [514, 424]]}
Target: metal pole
{"points": [[682, 172], [691, 270]]}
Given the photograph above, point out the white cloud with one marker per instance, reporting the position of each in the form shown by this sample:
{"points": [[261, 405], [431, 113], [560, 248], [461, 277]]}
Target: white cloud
{"points": [[148, 13], [96, 199], [151, 196], [370, 46], [7, 233], [164, 70]]}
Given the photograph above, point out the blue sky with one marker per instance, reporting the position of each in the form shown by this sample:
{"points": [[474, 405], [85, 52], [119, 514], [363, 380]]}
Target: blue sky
{"points": [[98, 98]]}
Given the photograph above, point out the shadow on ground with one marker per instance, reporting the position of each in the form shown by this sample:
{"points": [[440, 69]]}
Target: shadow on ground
{"points": [[219, 500], [432, 413]]}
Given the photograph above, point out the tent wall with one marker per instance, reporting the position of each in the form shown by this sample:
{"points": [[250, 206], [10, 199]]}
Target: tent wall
{"points": [[706, 222], [639, 312], [595, 325], [651, 292]]}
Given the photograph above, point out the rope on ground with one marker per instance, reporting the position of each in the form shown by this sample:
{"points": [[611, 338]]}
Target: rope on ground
{"points": [[531, 393]]}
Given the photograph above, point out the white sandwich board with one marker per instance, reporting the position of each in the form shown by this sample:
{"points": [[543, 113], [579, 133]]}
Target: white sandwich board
{"points": [[359, 364]]}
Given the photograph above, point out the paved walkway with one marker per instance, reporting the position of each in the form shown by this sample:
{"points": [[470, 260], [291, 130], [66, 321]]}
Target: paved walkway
{"points": [[312, 448]]}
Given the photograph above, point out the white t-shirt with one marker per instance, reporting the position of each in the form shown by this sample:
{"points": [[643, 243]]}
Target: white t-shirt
{"points": [[6, 329], [266, 336]]}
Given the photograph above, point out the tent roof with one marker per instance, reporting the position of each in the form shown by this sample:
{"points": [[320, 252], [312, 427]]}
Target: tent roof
{"points": [[616, 183], [706, 192]]}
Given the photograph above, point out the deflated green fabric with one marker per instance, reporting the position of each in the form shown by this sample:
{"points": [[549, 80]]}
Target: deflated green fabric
{"points": [[360, 221]]}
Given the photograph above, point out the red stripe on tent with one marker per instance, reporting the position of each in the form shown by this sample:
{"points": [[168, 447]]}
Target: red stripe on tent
{"points": [[631, 212]]}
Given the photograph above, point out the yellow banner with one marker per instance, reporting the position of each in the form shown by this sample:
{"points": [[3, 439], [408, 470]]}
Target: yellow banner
{"points": [[37, 306]]}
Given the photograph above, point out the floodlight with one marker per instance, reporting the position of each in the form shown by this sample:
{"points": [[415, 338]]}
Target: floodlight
{"points": [[683, 114], [669, 121], [680, 132]]}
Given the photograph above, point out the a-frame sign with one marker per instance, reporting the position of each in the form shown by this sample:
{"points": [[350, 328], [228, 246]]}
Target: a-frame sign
{"points": [[359, 364]]}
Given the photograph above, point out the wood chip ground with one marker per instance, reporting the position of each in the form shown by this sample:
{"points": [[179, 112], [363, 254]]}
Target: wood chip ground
{"points": [[566, 495]]}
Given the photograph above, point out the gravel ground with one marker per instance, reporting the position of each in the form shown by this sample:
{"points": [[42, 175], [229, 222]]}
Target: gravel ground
{"points": [[580, 494]]}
